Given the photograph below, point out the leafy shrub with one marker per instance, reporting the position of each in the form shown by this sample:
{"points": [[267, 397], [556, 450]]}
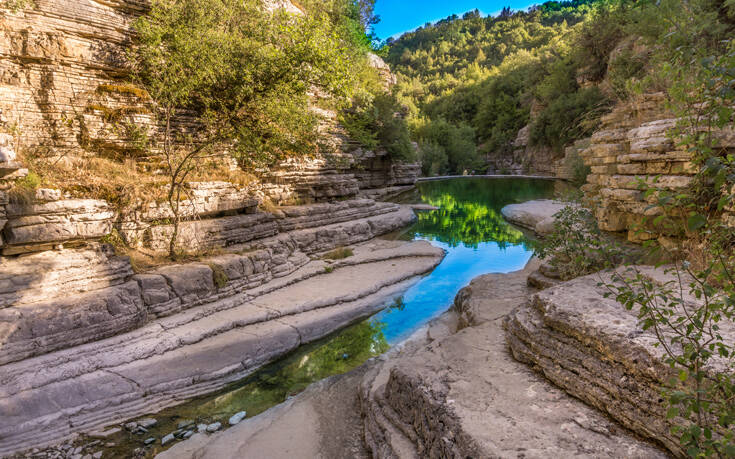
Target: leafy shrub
{"points": [[433, 158], [24, 189], [219, 276], [380, 123], [569, 117], [577, 247], [457, 142], [576, 169], [624, 67]]}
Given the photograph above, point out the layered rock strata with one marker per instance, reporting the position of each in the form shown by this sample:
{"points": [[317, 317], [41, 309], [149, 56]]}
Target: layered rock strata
{"points": [[457, 392], [594, 349], [54, 300], [162, 337], [217, 215], [635, 145]]}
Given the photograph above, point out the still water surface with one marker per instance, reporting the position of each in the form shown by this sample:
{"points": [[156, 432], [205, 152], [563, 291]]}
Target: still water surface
{"points": [[468, 225]]}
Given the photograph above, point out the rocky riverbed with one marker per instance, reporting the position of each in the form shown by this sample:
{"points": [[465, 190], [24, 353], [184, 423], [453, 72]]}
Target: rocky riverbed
{"points": [[452, 390]]}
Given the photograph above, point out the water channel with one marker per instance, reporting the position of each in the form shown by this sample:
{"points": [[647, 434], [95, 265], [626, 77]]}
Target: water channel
{"points": [[468, 225]]}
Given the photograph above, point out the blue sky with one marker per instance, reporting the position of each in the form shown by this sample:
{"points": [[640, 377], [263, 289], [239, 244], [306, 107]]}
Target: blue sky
{"points": [[398, 16]]}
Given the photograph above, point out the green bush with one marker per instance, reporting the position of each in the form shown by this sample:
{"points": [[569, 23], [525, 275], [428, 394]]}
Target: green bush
{"points": [[569, 117], [457, 142], [433, 158], [380, 123]]}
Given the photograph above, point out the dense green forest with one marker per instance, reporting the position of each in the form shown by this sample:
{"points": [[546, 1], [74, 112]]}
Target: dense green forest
{"points": [[471, 83]]}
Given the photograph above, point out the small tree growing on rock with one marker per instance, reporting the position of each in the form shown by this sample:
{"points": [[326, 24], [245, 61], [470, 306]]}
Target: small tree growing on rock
{"points": [[243, 75]]}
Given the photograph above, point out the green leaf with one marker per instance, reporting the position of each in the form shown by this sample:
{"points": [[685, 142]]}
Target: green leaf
{"points": [[672, 412], [696, 222], [683, 375]]}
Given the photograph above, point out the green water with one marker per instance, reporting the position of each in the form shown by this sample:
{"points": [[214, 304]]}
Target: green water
{"points": [[468, 225]]}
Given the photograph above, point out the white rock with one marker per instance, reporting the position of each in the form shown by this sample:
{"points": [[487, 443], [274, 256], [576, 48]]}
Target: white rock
{"points": [[147, 423], [214, 427], [201, 428], [236, 418]]}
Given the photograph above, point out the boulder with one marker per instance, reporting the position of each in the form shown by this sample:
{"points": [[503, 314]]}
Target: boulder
{"points": [[534, 215], [595, 349]]}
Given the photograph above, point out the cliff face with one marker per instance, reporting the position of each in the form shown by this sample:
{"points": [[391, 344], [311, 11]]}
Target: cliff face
{"points": [[58, 60], [634, 145]]}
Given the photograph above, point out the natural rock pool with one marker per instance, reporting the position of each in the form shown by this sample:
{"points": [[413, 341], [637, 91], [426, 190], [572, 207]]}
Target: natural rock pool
{"points": [[468, 225]]}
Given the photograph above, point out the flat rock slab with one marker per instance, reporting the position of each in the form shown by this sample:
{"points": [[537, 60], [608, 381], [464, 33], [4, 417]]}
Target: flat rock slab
{"points": [[83, 388], [462, 394], [534, 215], [594, 349], [321, 422]]}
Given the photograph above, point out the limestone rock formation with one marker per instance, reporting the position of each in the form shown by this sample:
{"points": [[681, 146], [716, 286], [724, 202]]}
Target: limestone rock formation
{"points": [[633, 145], [594, 349], [534, 215], [461, 394], [181, 331]]}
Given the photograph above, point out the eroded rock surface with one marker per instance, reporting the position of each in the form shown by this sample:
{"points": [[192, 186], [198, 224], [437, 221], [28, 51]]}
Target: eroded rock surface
{"points": [[534, 215], [594, 349], [464, 395], [205, 335]]}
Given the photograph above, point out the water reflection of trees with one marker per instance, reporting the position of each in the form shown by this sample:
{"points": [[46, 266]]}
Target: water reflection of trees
{"points": [[469, 210]]}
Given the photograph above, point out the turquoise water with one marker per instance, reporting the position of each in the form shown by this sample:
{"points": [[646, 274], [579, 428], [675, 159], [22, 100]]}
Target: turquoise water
{"points": [[470, 227]]}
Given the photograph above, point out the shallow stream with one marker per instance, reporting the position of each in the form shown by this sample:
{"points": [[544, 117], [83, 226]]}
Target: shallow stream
{"points": [[468, 225]]}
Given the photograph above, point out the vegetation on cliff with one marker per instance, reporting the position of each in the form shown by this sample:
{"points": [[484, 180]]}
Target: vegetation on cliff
{"points": [[692, 59], [556, 67]]}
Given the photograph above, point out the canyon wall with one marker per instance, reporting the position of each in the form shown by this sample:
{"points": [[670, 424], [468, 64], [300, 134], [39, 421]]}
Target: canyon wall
{"points": [[634, 146]]}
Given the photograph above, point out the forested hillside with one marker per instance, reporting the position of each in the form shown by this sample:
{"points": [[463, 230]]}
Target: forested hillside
{"points": [[471, 82]]}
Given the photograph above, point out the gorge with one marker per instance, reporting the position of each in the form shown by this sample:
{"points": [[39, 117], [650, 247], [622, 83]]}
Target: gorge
{"points": [[250, 229]]}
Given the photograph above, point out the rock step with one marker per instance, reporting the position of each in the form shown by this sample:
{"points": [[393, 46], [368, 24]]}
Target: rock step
{"points": [[64, 319], [594, 349], [47, 398], [464, 395]]}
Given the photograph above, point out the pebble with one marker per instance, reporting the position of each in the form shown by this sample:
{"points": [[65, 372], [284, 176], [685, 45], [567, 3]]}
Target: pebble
{"points": [[131, 425], [201, 428], [149, 441], [167, 439], [214, 427], [147, 423], [97, 455], [188, 434], [235, 419], [184, 424]]}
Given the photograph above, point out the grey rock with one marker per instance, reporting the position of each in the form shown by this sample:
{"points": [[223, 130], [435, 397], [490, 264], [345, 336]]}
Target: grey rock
{"points": [[168, 439], [147, 423], [97, 455], [149, 441], [188, 434], [236, 418], [594, 349], [460, 394], [211, 428], [184, 424], [534, 215], [201, 428]]}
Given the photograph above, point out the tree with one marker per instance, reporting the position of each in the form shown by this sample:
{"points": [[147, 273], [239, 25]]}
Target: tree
{"points": [[243, 75]]}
